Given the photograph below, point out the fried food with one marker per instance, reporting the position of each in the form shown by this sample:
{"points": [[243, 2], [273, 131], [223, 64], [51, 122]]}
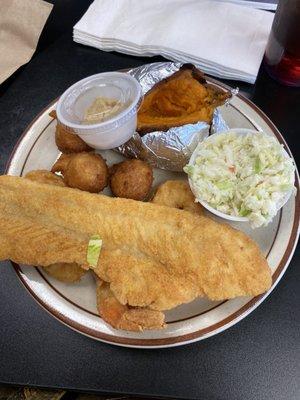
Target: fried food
{"points": [[121, 316], [66, 141], [62, 163], [182, 98], [177, 194], [44, 176], [65, 272], [52, 114], [152, 256], [84, 171], [61, 271], [131, 179]]}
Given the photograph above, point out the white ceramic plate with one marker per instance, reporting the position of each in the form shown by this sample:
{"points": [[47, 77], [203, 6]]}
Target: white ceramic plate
{"points": [[75, 304]]}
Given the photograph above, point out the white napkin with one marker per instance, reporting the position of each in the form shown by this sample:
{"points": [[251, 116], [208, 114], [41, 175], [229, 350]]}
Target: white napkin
{"points": [[222, 39]]}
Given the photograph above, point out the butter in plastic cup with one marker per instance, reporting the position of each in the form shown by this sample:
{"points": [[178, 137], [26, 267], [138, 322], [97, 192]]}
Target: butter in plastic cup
{"points": [[112, 131]]}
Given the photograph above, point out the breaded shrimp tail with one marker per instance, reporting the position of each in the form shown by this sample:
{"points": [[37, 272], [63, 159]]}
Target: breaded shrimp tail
{"points": [[152, 255]]}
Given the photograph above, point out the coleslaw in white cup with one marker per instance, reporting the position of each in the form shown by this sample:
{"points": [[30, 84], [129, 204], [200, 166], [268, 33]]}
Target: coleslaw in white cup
{"points": [[242, 175]]}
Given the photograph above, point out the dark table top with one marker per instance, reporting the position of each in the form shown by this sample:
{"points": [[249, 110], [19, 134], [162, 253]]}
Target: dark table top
{"points": [[256, 359]]}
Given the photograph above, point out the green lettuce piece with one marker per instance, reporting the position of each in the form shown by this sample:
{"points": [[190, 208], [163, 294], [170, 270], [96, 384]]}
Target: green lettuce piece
{"points": [[285, 188], [93, 252], [257, 165], [224, 185], [244, 212], [188, 169]]}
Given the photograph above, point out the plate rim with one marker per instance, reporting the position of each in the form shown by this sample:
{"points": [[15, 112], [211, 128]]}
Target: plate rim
{"points": [[203, 333]]}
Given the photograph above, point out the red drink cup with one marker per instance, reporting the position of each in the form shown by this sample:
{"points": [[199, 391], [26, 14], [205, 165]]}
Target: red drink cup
{"points": [[282, 56]]}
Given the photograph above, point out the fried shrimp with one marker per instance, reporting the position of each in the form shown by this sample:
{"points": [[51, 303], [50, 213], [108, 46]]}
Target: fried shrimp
{"points": [[122, 316], [177, 194], [66, 141], [131, 179], [84, 171]]}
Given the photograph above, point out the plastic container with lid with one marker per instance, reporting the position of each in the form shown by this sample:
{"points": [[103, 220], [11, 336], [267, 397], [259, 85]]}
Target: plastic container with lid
{"points": [[113, 130]]}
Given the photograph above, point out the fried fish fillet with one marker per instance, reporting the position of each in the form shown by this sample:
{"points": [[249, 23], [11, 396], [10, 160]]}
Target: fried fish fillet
{"points": [[152, 256], [175, 194], [182, 98], [63, 272], [44, 176]]}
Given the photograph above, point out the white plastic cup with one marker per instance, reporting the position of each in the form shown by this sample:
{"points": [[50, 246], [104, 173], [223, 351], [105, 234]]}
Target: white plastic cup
{"points": [[113, 132]]}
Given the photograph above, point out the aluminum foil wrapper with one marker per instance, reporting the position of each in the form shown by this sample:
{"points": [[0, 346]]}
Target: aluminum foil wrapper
{"points": [[172, 149]]}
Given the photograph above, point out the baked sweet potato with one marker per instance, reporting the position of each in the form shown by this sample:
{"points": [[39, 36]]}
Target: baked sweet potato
{"points": [[183, 98]]}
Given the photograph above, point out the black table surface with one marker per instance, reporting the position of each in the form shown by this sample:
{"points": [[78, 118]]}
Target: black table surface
{"points": [[256, 359]]}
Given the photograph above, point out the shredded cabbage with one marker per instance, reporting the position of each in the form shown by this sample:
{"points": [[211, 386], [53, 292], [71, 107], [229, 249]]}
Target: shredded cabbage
{"points": [[93, 251], [242, 175]]}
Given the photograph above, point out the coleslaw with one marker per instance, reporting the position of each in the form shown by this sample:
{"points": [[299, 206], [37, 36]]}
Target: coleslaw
{"points": [[242, 175]]}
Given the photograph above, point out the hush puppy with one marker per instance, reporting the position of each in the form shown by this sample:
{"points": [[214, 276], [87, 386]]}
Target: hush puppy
{"points": [[131, 179], [66, 141], [84, 171]]}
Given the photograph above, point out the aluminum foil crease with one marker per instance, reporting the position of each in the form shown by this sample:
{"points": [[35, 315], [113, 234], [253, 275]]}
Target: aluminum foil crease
{"points": [[172, 149]]}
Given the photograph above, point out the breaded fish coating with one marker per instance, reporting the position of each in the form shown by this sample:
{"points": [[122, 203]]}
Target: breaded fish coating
{"points": [[152, 256]]}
